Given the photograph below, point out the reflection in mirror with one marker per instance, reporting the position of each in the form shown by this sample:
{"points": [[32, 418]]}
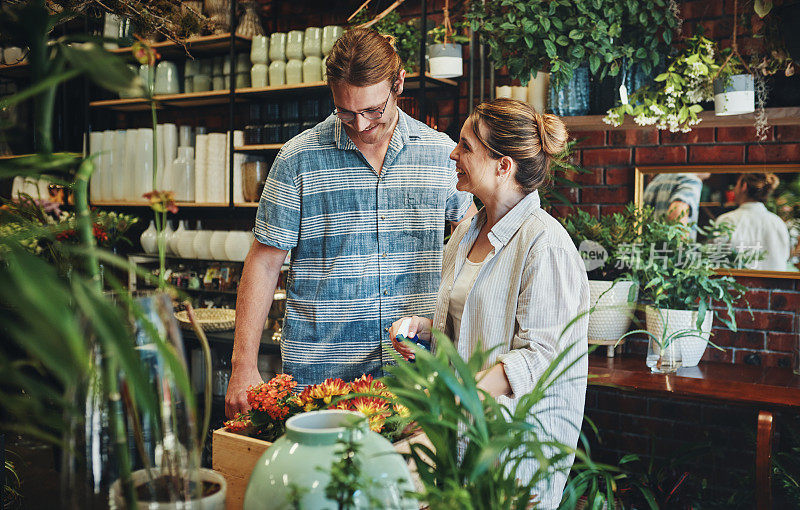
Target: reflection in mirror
{"points": [[750, 214]]}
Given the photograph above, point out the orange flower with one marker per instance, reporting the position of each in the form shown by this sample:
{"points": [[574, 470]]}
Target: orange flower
{"points": [[161, 201], [239, 424], [329, 389], [376, 409], [144, 53]]}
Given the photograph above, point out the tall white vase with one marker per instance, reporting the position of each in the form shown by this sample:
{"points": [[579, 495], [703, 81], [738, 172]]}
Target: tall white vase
{"points": [[183, 177], [95, 146], [200, 168], [144, 163], [118, 181], [128, 177]]}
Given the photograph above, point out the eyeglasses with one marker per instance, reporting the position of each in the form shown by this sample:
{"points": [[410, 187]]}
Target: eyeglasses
{"points": [[373, 114]]}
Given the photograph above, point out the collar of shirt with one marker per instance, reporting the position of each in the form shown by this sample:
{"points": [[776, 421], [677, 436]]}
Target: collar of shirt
{"points": [[753, 206], [502, 232], [403, 132]]}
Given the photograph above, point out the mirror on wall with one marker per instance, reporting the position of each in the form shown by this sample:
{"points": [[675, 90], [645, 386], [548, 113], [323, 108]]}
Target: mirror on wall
{"points": [[753, 211]]}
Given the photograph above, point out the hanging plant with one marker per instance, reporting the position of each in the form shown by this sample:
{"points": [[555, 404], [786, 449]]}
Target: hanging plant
{"points": [[558, 36], [673, 101]]}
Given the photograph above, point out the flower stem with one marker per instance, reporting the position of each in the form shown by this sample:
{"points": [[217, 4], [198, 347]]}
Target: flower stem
{"points": [[84, 219]]}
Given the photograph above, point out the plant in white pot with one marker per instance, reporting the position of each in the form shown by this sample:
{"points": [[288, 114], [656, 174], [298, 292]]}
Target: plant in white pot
{"points": [[444, 48], [679, 284], [734, 89], [613, 286]]}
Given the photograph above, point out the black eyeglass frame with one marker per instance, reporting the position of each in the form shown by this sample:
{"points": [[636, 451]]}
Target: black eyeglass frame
{"points": [[351, 116]]}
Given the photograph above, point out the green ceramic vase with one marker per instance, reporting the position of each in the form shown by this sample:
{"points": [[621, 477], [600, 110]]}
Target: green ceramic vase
{"points": [[295, 470]]}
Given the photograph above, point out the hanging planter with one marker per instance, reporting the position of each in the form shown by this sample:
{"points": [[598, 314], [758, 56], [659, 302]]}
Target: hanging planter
{"points": [[734, 95], [445, 60]]}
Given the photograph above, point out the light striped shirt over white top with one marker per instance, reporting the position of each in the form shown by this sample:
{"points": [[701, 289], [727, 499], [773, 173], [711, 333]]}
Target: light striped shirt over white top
{"points": [[366, 246], [527, 291]]}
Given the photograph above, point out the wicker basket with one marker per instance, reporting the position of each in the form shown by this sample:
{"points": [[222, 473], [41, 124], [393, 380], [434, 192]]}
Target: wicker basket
{"points": [[210, 319]]}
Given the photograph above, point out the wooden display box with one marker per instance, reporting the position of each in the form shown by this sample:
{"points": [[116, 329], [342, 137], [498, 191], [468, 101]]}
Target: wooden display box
{"points": [[234, 456]]}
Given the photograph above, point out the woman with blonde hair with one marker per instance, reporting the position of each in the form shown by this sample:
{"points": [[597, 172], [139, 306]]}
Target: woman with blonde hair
{"points": [[755, 228], [512, 280]]}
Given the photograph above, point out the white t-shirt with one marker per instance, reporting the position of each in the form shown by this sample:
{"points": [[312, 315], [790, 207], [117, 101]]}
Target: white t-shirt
{"points": [[461, 287], [755, 226]]}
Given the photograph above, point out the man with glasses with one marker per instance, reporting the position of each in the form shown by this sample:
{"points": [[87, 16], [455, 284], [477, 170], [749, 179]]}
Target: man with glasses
{"points": [[361, 199]]}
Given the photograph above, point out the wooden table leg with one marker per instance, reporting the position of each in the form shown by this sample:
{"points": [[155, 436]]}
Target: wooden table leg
{"points": [[764, 461]]}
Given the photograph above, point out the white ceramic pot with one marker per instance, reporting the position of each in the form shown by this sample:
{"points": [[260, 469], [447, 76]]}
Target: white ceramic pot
{"points": [[118, 176], [148, 239], [186, 244], [216, 244], [312, 42], [445, 60], [330, 34], [143, 173], [129, 168], [612, 312], [312, 69], [294, 45], [237, 245], [734, 95], [201, 244], [215, 501], [259, 49], [277, 73], [182, 172], [168, 234], [537, 91], [277, 46], [174, 240], [294, 72], [258, 76], [503, 91], [691, 347]]}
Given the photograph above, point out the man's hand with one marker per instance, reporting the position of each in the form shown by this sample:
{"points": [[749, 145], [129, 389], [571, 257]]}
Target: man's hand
{"points": [[236, 398]]}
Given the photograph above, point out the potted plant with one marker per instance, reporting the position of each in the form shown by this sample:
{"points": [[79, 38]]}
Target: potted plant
{"points": [[734, 90], [245, 438], [679, 284], [406, 35], [107, 367], [673, 102], [560, 36], [444, 48], [613, 286]]}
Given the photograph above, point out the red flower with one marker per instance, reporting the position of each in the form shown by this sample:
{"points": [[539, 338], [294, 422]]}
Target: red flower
{"points": [[99, 233], [144, 53], [239, 424]]}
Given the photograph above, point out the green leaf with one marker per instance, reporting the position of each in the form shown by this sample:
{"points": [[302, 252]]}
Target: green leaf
{"points": [[641, 53], [661, 77], [575, 34], [594, 63], [562, 40], [550, 48], [106, 69], [668, 36]]}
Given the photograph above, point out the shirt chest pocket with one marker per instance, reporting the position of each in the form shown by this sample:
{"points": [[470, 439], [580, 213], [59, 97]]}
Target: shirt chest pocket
{"points": [[423, 210]]}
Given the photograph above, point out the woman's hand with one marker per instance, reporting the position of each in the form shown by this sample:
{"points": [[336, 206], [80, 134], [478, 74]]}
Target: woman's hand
{"points": [[419, 326]]}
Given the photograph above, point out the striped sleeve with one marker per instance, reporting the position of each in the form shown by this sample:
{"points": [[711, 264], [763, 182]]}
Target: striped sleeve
{"points": [[278, 217], [551, 277]]}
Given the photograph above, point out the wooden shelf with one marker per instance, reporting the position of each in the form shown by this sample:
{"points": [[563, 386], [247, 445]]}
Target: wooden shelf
{"points": [[200, 44], [14, 70], [246, 204], [719, 381], [111, 203], [265, 147], [15, 156], [220, 97], [717, 204], [789, 115]]}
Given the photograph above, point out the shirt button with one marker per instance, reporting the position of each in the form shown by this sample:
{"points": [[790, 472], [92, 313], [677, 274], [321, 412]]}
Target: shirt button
{"points": [[383, 216], [441, 325], [386, 329], [383, 255], [385, 292]]}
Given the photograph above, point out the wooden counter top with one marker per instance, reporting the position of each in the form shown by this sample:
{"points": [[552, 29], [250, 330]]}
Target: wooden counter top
{"points": [[720, 381]]}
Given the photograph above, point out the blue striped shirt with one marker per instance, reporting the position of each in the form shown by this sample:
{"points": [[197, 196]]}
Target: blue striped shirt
{"points": [[366, 247]]}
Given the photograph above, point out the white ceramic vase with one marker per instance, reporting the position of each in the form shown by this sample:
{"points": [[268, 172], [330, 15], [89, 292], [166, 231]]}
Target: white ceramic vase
{"points": [[214, 501], [148, 239], [237, 245], [216, 244], [182, 172], [185, 243], [201, 244], [175, 239]]}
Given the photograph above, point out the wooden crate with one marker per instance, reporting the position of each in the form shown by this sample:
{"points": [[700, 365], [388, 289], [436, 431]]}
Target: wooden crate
{"points": [[234, 456]]}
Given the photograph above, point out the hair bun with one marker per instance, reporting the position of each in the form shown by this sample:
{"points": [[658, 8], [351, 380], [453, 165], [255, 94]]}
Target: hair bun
{"points": [[772, 181], [552, 133]]}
